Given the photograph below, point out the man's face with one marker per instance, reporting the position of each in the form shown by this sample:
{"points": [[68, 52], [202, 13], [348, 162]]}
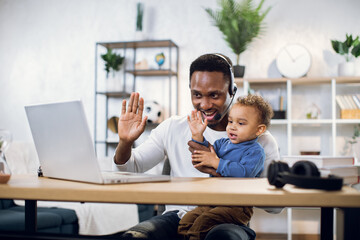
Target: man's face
{"points": [[210, 96]]}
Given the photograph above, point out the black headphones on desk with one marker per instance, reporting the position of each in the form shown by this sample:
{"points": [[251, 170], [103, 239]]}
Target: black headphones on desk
{"points": [[303, 174]]}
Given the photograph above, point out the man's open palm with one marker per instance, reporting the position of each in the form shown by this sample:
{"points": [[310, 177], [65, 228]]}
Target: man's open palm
{"points": [[131, 123]]}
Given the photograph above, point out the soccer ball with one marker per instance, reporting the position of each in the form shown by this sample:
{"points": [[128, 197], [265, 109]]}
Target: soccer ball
{"points": [[153, 111]]}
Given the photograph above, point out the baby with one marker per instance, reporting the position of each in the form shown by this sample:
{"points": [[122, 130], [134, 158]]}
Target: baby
{"points": [[239, 155]]}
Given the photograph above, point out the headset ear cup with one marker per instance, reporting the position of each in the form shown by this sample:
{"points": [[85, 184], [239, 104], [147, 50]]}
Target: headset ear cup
{"points": [[234, 89], [305, 168], [274, 170]]}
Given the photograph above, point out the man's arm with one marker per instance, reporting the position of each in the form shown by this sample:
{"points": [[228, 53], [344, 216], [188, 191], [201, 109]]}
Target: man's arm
{"points": [[196, 146], [130, 126], [271, 149]]}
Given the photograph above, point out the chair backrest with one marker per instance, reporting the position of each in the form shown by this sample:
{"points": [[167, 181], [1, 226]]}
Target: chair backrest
{"points": [[166, 167]]}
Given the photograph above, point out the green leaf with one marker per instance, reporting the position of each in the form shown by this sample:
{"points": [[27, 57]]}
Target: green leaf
{"points": [[356, 51], [335, 45], [349, 41], [343, 48], [239, 23], [112, 60]]}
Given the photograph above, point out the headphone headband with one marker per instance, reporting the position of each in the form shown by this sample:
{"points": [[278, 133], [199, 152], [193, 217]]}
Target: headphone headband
{"points": [[280, 174], [232, 87]]}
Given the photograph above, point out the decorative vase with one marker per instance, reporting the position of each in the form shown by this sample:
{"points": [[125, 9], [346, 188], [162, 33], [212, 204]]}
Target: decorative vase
{"points": [[113, 82], [356, 151], [140, 35], [239, 71], [346, 69]]}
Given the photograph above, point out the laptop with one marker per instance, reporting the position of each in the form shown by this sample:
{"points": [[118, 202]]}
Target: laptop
{"points": [[65, 147]]}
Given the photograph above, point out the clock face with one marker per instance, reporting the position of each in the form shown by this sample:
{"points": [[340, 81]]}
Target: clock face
{"points": [[293, 61]]}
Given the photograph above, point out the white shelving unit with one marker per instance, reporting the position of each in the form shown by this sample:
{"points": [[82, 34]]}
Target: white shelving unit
{"points": [[327, 125], [330, 128]]}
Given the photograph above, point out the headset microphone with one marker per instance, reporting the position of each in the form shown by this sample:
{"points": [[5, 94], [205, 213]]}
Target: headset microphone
{"points": [[218, 116]]}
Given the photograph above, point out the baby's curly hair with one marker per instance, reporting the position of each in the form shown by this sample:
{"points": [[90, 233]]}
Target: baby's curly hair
{"points": [[263, 107]]}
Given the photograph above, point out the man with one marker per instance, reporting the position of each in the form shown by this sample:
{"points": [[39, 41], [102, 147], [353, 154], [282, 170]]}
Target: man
{"points": [[212, 91]]}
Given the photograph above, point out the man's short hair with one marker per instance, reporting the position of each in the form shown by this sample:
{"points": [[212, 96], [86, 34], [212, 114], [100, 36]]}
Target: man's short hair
{"points": [[262, 106], [212, 63]]}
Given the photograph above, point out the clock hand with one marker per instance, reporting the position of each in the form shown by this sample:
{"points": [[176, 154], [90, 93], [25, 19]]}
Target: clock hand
{"points": [[288, 53], [298, 57]]}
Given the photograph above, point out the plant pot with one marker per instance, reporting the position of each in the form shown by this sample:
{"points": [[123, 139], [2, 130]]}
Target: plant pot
{"points": [[355, 147], [239, 71], [346, 69], [140, 36], [113, 82]]}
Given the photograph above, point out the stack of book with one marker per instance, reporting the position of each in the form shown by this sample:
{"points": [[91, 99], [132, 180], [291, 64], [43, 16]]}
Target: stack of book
{"points": [[342, 166], [349, 106], [348, 101]]}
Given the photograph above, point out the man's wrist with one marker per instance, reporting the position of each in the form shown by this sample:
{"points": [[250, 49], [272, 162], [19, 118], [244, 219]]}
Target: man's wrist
{"points": [[122, 152]]}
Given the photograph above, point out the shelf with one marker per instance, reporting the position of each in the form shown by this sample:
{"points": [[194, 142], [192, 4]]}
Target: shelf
{"points": [[314, 121], [114, 94], [109, 141], [311, 121], [347, 121], [139, 44], [304, 80], [169, 72], [299, 129], [152, 72], [278, 121]]}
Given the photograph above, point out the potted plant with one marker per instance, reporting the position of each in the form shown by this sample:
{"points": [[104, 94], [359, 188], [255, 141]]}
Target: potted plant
{"points": [[350, 49], [240, 23], [355, 143], [139, 34], [113, 61], [113, 64]]}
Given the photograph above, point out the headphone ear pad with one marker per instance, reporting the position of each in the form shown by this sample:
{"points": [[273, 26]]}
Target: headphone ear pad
{"points": [[305, 168], [274, 170]]}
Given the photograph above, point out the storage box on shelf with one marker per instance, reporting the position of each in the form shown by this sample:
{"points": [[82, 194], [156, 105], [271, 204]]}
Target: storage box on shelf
{"points": [[105, 98], [350, 114]]}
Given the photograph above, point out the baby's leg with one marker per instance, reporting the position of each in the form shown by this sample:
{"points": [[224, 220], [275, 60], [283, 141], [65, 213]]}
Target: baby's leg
{"points": [[216, 216], [189, 218]]}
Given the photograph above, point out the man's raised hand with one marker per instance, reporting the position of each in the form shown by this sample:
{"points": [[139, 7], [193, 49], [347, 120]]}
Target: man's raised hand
{"points": [[131, 123]]}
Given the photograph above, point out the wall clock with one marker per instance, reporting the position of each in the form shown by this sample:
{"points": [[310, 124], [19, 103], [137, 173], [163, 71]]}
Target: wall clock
{"points": [[293, 61]]}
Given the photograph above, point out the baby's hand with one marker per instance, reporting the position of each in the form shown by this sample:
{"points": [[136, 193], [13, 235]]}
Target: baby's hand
{"points": [[205, 159], [197, 126]]}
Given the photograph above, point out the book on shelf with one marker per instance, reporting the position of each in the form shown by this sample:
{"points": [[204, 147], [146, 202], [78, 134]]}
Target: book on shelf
{"points": [[348, 101], [340, 102], [356, 100], [319, 160]]}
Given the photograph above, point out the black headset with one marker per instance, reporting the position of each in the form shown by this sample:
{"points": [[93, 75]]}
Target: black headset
{"points": [[303, 174], [232, 87]]}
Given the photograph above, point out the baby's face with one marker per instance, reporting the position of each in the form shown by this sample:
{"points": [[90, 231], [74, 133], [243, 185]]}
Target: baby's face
{"points": [[243, 123]]}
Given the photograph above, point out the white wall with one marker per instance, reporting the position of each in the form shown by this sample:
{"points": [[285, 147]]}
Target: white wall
{"points": [[47, 47]]}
